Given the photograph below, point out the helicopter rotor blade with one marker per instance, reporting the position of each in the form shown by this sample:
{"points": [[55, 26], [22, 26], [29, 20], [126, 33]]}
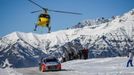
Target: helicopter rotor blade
{"points": [[36, 11], [52, 10], [36, 4], [65, 12]]}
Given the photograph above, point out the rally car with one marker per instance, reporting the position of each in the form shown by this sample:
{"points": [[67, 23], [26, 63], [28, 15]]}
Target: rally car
{"points": [[49, 64]]}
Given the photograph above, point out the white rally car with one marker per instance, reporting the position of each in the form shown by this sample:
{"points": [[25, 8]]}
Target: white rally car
{"points": [[49, 63]]}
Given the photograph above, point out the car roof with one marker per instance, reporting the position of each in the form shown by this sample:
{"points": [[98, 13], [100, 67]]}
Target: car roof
{"points": [[49, 57]]}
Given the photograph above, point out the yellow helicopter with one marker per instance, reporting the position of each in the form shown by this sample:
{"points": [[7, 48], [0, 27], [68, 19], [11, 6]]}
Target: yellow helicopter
{"points": [[44, 18]]}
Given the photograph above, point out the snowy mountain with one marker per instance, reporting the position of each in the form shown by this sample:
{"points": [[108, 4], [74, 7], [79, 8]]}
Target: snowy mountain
{"points": [[91, 22], [103, 38]]}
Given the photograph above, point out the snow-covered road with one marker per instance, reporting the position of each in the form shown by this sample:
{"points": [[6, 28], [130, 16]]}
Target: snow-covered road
{"points": [[99, 66]]}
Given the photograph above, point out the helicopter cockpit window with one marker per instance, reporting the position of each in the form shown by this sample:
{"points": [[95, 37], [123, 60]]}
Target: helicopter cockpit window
{"points": [[47, 16], [44, 15]]}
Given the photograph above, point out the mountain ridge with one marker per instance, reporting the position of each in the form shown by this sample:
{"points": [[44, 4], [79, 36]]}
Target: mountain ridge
{"points": [[108, 38]]}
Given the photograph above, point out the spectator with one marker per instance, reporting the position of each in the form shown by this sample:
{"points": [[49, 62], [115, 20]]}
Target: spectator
{"points": [[130, 59]]}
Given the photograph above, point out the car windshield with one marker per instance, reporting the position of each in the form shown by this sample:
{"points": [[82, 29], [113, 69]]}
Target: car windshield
{"points": [[51, 60]]}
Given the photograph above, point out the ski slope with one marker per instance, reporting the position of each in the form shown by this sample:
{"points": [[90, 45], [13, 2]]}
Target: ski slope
{"points": [[98, 66]]}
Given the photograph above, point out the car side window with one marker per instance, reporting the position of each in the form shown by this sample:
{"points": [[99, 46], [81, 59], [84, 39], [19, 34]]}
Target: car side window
{"points": [[44, 61]]}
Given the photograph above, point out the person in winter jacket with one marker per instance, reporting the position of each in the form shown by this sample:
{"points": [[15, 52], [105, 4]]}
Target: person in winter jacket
{"points": [[130, 59], [85, 53]]}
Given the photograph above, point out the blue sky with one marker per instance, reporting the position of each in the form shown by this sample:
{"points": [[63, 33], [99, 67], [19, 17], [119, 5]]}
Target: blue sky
{"points": [[15, 14]]}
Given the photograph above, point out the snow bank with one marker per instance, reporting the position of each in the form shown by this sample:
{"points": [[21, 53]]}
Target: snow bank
{"points": [[99, 66], [9, 71]]}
